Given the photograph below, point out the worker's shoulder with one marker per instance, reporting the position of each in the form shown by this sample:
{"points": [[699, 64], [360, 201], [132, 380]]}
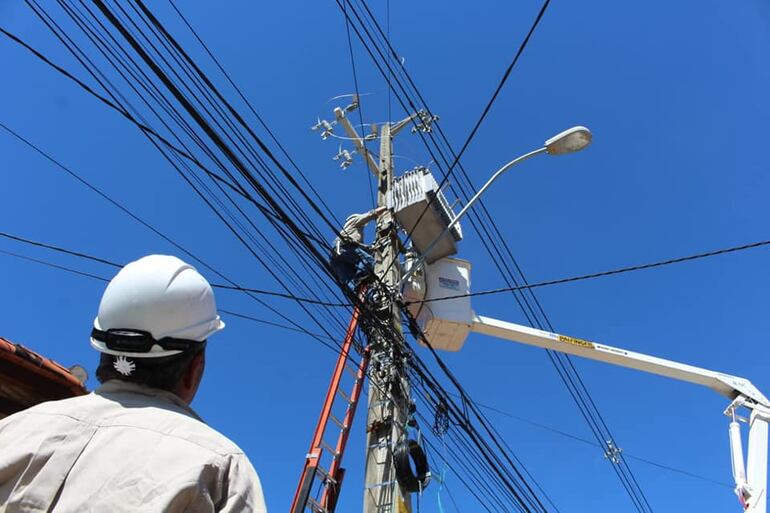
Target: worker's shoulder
{"points": [[140, 415]]}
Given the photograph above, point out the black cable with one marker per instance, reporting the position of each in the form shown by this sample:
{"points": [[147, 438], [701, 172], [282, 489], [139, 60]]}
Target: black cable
{"points": [[620, 270], [194, 114], [164, 152], [196, 80], [141, 221], [55, 266], [227, 312], [148, 131], [210, 205], [586, 441], [213, 285], [495, 456], [499, 88], [563, 364], [271, 308], [318, 336], [59, 249], [360, 110], [279, 294], [217, 140], [298, 237], [251, 108], [468, 455], [488, 106], [188, 130]]}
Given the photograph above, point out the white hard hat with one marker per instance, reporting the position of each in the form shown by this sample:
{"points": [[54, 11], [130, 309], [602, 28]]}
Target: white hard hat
{"points": [[158, 302]]}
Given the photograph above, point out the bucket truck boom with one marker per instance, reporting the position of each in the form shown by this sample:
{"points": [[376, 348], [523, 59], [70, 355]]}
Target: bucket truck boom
{"points": [[440, 299], [750, 481]]}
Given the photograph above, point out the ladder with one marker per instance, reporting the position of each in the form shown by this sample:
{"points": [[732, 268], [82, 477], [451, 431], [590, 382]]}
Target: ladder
{"points": [[321, 452]]}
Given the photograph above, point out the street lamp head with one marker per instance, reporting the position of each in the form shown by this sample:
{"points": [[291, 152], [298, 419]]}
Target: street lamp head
{"points": [[569, 141]]}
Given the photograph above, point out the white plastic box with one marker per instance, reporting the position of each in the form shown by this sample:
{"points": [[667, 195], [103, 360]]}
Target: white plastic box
{"points": [[447, 323]]}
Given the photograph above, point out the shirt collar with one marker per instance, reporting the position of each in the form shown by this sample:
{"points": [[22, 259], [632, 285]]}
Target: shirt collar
{"points": [[118, 386]]}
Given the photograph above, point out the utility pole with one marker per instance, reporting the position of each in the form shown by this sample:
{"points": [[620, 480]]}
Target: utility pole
{"points": [[389, 396]]}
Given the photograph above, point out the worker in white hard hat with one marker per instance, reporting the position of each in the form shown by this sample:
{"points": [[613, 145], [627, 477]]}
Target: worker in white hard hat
{"points": [[349, 249], [134, 444]]}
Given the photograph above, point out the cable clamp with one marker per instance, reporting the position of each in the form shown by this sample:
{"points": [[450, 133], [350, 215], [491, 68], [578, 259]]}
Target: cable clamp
{"points": [[613, 452], [380, 485]]}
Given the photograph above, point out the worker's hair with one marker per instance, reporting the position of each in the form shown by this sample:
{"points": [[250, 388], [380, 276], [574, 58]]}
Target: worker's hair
{"points": [[164, 372]]}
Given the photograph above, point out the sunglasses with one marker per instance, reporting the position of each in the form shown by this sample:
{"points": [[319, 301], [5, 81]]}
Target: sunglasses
{"points": [[138, 341]]}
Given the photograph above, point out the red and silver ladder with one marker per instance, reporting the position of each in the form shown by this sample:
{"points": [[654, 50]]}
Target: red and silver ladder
{"points": [[321, 451]]}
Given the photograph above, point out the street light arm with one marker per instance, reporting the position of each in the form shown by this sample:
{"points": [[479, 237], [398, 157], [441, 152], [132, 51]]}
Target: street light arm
{"points": [[484, 188], [467, 207]]}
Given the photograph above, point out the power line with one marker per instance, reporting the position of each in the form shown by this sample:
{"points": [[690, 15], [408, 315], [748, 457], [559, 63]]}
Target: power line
{"points": [[251, 108], [92, 258], [291, 246], [227, 312], [499, 88], [620, 270], [360, 109], [586, 441], [269, 323], [188, 130], [563, 365], [55, 266], [279, 294], [51, 23], [141, 221], [535, 314], [298, 235], [103, 279], [58, 249]]}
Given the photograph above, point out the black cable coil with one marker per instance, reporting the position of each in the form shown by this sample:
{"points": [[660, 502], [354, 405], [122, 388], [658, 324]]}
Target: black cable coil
{"points": [[408, 451]]}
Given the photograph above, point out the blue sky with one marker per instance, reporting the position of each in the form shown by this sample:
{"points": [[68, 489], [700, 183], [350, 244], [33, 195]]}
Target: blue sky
{"points": [[675, 94]]}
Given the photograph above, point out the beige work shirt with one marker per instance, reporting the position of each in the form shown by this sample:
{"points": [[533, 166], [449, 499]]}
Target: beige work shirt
{"points": [[353, 230], [122, 448]]}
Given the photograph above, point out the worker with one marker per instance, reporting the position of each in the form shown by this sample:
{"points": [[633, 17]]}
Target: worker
{"points": [[348, 249], [134, 444]]}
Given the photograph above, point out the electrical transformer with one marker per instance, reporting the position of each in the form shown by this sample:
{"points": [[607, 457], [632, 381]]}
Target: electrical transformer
{"points": [[422, 210]]}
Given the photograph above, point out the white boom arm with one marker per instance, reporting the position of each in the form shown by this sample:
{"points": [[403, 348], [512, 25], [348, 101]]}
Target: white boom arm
{"points": [[751, 481]]}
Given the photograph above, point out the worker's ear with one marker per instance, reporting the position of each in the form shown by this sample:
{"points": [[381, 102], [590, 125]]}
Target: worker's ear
{"points": [[188, 385]]}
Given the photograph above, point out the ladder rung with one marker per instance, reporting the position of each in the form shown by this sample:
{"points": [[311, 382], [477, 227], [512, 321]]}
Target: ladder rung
{"points": [[326, 475], [344, 395], [338, 422], [352, 370], [329, 449], [315, 506]]}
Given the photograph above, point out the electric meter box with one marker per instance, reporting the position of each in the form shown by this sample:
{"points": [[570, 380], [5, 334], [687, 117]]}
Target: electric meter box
{"points": [[446, 323], [423, 211]]}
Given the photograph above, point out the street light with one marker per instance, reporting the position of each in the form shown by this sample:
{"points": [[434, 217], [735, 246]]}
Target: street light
{"points": [[569, 141]]}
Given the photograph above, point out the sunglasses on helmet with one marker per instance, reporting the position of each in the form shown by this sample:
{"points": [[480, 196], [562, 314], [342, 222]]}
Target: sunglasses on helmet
{"points": [[138, 341]]}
